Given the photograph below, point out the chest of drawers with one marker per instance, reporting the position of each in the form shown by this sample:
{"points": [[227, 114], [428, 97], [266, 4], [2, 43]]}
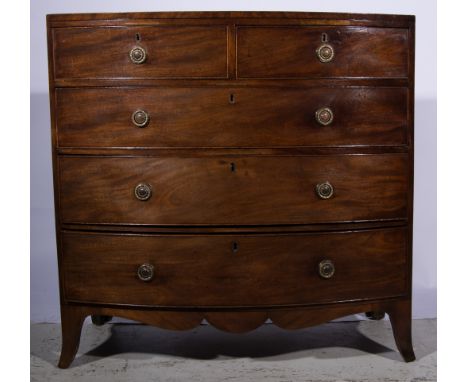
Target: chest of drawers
{"points": [[234, 167]]}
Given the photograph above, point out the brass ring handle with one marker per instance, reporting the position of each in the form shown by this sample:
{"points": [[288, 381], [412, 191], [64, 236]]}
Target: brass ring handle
{"points": [[145, 272], [325, 53], [138, 55], [324, 190], [143, 191], [324, 116], [326, 269], [140, 118]]}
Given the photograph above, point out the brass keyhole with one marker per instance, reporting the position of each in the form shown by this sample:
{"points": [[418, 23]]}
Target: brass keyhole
{"points": [[234, 247], [137, 37], [324, 37]]}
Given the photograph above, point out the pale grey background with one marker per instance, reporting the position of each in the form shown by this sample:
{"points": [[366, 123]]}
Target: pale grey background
{"points": [[44, 279]]}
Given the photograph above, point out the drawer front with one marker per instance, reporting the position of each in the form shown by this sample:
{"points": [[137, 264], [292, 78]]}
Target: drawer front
{"points": [[233, 190], [206, 271], [209, 117], [170, 51], [291, 52]]}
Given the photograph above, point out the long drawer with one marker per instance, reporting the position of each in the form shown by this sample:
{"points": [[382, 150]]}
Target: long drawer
{"points": [[231, 117], [246, 190], [159, 52], [325, 51], [234, 270]]}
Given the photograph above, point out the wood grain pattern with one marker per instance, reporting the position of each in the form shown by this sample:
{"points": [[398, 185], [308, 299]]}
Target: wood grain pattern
{"points": [[243, 171], [199, 51], [72, 322], [217, 152], [266, 190], [204, 117], [202, 17], [232, 81], [264, 270], [239, 321], [401, 318], [289, 52]]}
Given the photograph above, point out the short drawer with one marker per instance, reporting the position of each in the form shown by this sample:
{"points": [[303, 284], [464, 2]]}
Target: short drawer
{"points": [[234, 270], [231, 117], [306, 52], [233, 190], [164, 52]]}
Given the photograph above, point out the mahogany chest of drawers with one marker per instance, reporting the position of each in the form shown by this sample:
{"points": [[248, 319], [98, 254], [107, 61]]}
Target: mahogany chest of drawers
{"points": [[234, 167]]}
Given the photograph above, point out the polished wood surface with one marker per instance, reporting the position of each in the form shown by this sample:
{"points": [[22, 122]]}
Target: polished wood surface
{"points": [[72, 322], [232, 154], [212, 17], [239, 321], [231, 117], [233, 191], [289, 52], [400, 317], [172, 52], [233, 270]]}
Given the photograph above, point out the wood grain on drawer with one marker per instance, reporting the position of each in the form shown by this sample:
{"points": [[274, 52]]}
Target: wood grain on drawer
{"points": [[290, 52], [205, 271], [171, 52], [209, 117], [233, 190]]}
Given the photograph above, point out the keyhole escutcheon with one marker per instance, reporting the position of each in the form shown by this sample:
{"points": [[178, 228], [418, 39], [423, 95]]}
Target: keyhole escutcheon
{"points": [[232, 98], [234, 247], [233, 167]]}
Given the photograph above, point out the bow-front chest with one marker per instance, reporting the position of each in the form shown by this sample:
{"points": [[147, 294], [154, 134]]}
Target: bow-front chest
{"points": [[234, 167]]}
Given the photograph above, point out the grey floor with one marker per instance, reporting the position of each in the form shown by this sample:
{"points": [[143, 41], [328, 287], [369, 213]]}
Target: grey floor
{"points": [[338, 352]]}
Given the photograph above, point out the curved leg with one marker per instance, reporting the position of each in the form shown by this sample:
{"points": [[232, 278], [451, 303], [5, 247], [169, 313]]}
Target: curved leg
{"points": [[100, 320], [400, 317], [72, 322]]}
